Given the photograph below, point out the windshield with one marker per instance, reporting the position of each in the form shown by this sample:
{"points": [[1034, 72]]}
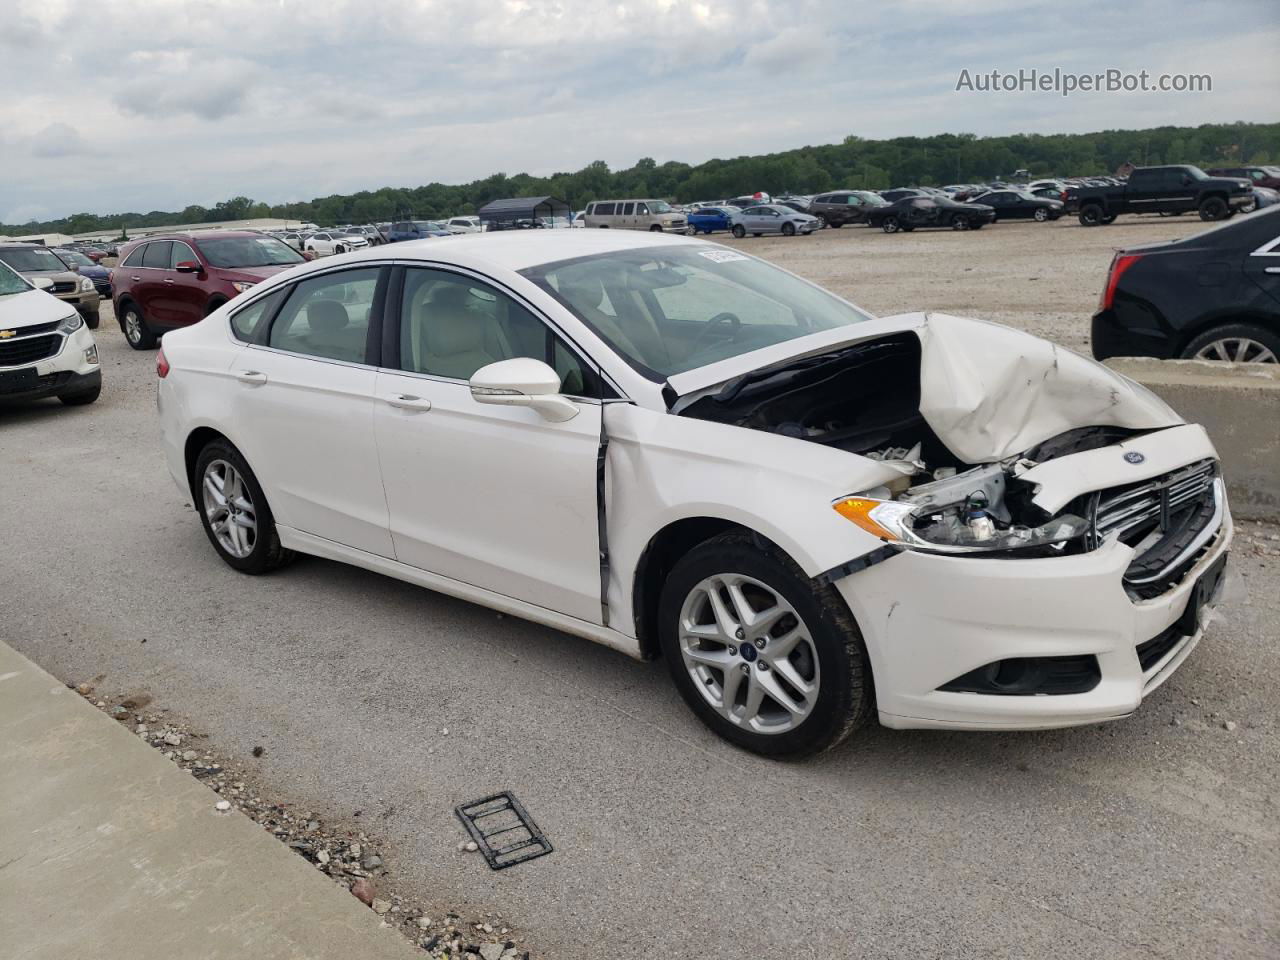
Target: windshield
{"points": [[659, 206], [75, 258], [249, 252], [672, 309], [32, 260], [10, 282]]}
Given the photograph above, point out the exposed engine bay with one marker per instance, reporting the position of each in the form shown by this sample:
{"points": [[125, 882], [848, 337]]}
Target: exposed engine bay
{"points": [[865, 399]]}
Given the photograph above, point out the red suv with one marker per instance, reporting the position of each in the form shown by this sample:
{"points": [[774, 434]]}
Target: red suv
{"points": [[172, 281]]}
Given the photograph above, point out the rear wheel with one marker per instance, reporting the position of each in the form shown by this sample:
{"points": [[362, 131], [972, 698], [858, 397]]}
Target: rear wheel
{"points": [[1090, 215], [234, 511], [765, 658], [1041, 214], [739, 231], [891, 225], [1213, 208], [1236, 343], [960, 223], [134, 325]]}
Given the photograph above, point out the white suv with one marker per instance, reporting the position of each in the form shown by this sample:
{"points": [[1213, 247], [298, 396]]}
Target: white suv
{"points": [[464, 225], [46, 350], [328, 242]]}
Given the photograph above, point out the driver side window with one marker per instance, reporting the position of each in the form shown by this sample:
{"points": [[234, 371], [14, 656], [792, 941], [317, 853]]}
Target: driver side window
{"points": [[451, 325]]}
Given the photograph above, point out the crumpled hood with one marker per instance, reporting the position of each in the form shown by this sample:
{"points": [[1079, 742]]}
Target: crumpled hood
{"points": [[991, 392], [988, 391]]}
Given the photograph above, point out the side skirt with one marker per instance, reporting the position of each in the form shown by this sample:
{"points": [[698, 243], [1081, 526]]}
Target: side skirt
{"points": [[331, 550]]}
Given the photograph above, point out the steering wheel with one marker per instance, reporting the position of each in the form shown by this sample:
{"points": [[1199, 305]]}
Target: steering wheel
{"points": [[719, 318]]}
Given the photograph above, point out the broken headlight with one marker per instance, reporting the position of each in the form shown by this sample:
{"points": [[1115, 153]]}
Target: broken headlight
{"points": [[959, 528]]}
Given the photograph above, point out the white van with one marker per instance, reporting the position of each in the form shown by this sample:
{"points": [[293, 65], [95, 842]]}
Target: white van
{"points": [[464, 225], [655, 215]]}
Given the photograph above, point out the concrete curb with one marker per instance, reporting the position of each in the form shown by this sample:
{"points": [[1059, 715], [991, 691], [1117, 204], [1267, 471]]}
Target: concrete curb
{"points": [[108, 849], [1239, 404]]}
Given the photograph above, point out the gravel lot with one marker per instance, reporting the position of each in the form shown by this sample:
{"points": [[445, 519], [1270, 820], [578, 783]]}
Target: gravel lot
{"points": [[1152, 837]]}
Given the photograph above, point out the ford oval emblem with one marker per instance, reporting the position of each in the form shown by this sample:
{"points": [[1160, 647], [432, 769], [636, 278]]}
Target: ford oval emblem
{"points": [[1133, 456]]}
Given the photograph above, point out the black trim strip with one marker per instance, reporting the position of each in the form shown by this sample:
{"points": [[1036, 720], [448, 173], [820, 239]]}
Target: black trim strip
{"points": [[879, 555], [602, 525]]}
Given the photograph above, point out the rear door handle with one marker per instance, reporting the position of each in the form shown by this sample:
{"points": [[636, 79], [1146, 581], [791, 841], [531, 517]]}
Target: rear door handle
{"points": [[1271, 269], [168, 279], [406, 401], [138, 279], [251, 377]]}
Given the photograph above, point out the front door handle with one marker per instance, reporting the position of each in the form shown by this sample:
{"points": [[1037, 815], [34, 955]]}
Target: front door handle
{"points": [[253, 377], [136, 279], [1271, 269], [406, 401]]}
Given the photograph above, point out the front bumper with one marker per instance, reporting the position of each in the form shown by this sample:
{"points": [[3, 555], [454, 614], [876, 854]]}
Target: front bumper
{"points": [[73, 368], [928, 619]]}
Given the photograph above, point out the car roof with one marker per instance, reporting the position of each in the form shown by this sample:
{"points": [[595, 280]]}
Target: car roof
{"points": [[198, 235]]}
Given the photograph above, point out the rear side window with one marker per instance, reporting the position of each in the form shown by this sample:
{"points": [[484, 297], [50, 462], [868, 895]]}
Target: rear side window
{"points": [[628, 209], [327, 316], [157, 254], [249, 324], [134, 259], [604, 209]]}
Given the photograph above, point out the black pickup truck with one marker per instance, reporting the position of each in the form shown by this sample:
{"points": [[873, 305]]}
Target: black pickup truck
{"points": [[1176, 189]]}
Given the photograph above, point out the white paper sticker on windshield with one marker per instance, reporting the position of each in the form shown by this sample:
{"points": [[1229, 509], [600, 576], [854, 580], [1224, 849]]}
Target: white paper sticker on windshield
{"points": [[721, 256]]}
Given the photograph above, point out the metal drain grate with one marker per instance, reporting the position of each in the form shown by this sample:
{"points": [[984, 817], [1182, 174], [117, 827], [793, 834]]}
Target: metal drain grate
{"points": [[503, 830]]}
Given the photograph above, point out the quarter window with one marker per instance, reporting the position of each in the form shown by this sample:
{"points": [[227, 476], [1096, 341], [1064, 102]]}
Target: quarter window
{"points": [[157, 254], [452, 325], [328, 316], [247, 324], [628, 209]]}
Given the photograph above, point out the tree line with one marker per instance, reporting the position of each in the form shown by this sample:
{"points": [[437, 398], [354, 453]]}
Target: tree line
{"points": [[855, 162]]}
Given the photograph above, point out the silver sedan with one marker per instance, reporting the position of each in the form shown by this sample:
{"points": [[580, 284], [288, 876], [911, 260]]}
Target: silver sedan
{"points": [[773, 218]]}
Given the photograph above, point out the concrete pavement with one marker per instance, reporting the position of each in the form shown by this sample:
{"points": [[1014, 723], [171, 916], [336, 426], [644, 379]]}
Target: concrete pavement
{"points": [[109, 850]]}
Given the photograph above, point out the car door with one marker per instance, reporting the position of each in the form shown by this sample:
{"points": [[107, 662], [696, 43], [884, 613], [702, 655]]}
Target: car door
{"points": [[305, 402], [185, 292], [1262, 266], [492, 496], [149, 288]]}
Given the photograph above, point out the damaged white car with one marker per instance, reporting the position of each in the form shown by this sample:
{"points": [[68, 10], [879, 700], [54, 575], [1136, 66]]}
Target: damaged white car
{"points": [[814, 515]]}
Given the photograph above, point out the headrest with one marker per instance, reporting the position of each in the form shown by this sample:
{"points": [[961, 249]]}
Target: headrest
{"points": [[326, 316], [450, 327]]}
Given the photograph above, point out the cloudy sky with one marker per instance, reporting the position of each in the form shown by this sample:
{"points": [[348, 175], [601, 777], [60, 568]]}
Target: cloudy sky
{"points": [[155, 104]]}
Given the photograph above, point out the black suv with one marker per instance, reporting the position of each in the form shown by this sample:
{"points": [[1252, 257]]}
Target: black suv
{"points": [[844, 206]]}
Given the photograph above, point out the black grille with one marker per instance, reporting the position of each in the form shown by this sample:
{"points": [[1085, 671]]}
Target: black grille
{"points": [[1030, 677], [17, 353], [34, 329], [63, 286]]}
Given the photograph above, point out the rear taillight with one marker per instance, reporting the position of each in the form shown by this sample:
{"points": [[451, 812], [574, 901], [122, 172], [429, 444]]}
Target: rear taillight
{"points": [[162, 364], [1063, 198], [1119, 264]]}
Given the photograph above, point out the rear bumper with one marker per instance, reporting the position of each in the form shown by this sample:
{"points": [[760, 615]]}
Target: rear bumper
{"points": [[1109, 337], [928, 619]]}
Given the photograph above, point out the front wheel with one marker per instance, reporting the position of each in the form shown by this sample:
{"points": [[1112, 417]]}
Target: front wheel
{"points": [[891, 225], [1213, 208], [765, 658], [788, 229], [1041, 214], [136, 331], [234, 512], [739, 231], [655, 228], [960, 223], [1090, 215]]}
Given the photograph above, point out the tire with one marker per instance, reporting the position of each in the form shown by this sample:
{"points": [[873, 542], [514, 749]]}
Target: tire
{"points": [[339, 248], [822, 222], [92, 320], [1249, 207], [1251, 343], [891, 225], [788, 229], [739, 231], [1041, 214], [960, 223], [1110, 218], [1090, 215], [134, 327], [212, 306], [977, 224], [690, 231], [257, 551], [81, 398], [1213, 208], [836, 226], [907, 227], [757, 234], [655, 228], [828, 652]]}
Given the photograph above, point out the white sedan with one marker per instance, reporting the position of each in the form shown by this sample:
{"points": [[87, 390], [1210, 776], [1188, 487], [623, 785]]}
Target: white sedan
{"points": [[328, 242], [814, 515]]}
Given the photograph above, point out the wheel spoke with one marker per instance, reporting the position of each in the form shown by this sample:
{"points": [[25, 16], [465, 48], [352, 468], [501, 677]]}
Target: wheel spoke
{"points": [[729, 689], [786, 669], [755, 697], [719, 659], [779, 648], [778, 696], [214, 487], [1220, 350], [1242, 350], [724, 619]]}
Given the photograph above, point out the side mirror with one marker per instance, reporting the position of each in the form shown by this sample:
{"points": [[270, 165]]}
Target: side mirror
{"points": [[523, 382], [188, 266], [42, 283]]}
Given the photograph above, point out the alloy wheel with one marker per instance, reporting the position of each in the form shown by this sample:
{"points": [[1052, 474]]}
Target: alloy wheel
{"points": [[1041, 214], [132, 325], [229, 508], [1237, 350], [749, 653]]}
